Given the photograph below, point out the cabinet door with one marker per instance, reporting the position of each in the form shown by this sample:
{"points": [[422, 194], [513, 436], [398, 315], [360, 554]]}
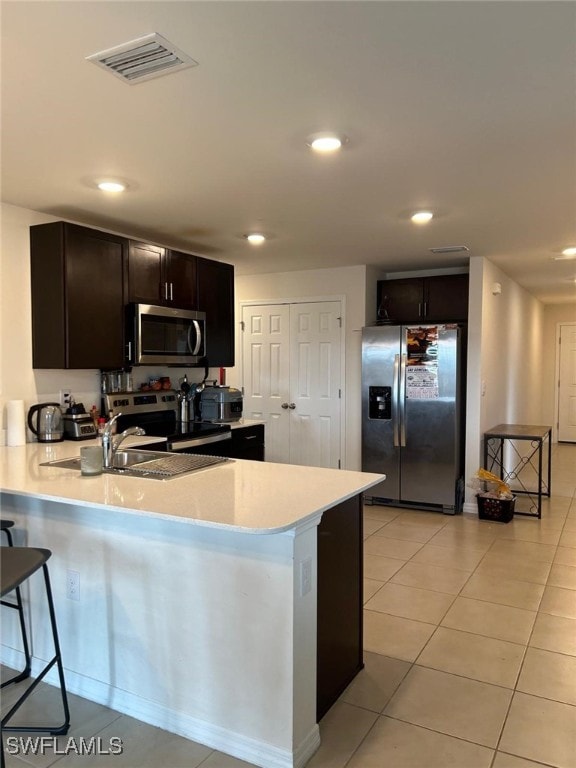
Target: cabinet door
{"points": [[247, 443], [447, 298], [216, 298], [95, 309], [77, 287], [146, 282], [400, 301], [181, 280]]}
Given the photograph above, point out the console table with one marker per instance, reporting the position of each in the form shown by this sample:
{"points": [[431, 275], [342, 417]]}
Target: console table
{"points": [[517, 467]]}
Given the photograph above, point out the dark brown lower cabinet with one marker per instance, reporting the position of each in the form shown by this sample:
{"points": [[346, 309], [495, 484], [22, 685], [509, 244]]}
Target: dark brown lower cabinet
{"points": [[339, 646]]}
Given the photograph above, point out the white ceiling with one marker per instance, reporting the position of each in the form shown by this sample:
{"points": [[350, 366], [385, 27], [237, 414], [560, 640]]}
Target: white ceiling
{"points": [[466, 108]]}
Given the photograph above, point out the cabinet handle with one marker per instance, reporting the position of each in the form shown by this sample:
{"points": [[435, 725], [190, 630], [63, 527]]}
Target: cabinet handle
{"points": [[171, 291], [129, 345], [165, 291], [419, 309], [425, 309]]}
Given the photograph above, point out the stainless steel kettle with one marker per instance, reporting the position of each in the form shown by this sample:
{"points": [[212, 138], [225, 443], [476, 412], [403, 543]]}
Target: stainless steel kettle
{"points": [[45, 421]]}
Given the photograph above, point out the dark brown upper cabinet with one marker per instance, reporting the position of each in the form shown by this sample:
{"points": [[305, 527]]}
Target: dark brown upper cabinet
{"points": [[435, 299], [158, 275], [216, 299], [77, 297]]}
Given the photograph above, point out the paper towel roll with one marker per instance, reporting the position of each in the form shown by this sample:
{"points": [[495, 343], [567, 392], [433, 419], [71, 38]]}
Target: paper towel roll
{"points": [[15, 423]]}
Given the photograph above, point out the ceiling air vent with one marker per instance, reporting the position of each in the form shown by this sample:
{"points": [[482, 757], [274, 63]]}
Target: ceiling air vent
{"points": [[450, 249], [142, 59]]}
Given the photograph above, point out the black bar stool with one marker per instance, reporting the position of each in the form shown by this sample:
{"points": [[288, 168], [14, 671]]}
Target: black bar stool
{"points": [[5, 526], [17, 565]]}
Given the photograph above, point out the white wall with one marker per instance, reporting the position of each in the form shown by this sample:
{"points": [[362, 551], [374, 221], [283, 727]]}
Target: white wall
{"points": [[506, 348], [554, 314]]}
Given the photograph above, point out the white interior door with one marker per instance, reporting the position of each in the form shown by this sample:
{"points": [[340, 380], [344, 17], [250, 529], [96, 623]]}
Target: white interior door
{"points": [[315, 395], [291, 362], [266, 373], [567, 384]]}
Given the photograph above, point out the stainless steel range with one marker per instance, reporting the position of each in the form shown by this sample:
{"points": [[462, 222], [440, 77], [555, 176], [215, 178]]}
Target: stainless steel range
{"points": [[157, 414]]}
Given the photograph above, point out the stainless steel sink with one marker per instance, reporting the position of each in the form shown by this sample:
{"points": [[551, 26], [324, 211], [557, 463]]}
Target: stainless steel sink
{"points": [[156, 465], [129, 456]]}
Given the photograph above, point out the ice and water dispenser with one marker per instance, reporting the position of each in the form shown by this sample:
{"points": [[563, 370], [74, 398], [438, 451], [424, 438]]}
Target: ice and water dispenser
{"points": [[379, 402]]}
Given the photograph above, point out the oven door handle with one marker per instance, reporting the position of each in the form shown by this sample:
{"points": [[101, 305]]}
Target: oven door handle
{"points": [[181, 445]]}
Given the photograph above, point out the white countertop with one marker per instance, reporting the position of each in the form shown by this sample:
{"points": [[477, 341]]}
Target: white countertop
{"points": [[247, 496]]}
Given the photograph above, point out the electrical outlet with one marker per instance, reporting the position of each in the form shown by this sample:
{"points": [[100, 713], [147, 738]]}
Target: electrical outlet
{"points": [[305, 576], [65, 395], [72, 585]]}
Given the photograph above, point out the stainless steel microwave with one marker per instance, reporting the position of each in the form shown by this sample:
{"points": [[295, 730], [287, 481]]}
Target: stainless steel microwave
{"points": [[166, 336]]}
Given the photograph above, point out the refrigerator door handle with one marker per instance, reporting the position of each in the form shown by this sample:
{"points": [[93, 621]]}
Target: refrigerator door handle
{"points": [[402, 400], [396, 402]]}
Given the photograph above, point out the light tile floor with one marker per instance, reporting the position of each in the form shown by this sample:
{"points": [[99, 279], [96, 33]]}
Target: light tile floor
{"points": [[470, 651]]}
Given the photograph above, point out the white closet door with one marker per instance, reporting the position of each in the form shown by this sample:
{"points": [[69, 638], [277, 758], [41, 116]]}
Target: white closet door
{"points": [[315, 386], [291, 356], [266, 372]]}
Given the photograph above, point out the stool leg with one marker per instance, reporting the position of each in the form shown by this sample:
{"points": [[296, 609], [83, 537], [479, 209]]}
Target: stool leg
{"points": [[26, 671], [63, 729], [56, 730], [20, 608]]}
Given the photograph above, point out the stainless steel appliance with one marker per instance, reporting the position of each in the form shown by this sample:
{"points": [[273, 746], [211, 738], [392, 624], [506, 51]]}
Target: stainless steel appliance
{"points": [[79, 426], [165, 336], [221, 404], [412, 402], [45, 421], [157, 414]]}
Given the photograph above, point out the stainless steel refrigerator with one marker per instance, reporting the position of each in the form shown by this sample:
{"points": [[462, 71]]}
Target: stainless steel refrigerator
{"points": [[412, 414]]}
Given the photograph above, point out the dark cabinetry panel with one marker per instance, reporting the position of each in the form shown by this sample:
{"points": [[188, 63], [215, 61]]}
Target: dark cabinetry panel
{"points": [[216, 299], [82, 278], [182, 279], [247, 443], [77, 297], [436, 299], [339, 645], [160, 276]]}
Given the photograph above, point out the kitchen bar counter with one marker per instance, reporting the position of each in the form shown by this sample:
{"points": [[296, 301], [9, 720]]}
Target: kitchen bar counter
{"points": [[246, 496], [184, 618]]}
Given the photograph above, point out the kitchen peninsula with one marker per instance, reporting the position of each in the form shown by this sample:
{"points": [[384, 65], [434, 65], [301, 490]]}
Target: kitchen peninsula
{"points": [[198, 595]]}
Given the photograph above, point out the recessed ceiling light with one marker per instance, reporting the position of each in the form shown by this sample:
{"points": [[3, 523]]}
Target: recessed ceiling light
{"points": [[111, 186], [255, 238], [326, 142], [422, 217]]}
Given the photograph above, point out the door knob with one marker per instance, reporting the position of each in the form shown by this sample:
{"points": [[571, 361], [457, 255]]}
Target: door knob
{"points": [[292, 406], [284, 405]]}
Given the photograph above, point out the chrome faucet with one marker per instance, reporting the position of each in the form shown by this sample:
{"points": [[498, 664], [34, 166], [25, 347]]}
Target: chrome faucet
{"points": [[111, 443]]}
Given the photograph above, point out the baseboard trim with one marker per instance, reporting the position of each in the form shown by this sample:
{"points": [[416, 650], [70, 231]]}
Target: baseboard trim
{"points": [[236, 744]]}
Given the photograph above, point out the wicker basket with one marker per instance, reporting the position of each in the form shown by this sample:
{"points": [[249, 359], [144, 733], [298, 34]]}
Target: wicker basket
{"points": [[497, 510]]}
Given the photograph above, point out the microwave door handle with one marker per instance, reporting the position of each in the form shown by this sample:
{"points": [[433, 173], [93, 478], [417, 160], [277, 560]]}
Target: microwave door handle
{"points": [[196, 349]]}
